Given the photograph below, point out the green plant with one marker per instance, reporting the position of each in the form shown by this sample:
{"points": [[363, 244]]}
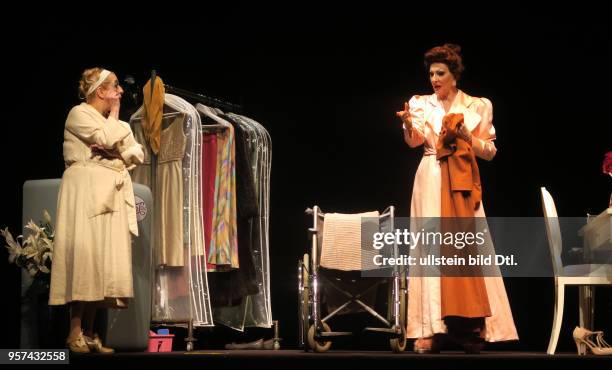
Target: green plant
{"points": [[34, 252]]}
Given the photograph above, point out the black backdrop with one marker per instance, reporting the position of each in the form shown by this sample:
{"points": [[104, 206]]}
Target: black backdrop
{"points": [[326, 85]]}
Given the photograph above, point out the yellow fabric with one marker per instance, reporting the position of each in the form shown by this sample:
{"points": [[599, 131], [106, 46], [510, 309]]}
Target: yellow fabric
{"points": [[153, 112]]}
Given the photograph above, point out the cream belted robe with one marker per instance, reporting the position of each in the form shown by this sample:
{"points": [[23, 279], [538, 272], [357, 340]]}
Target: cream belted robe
{"points": [[92, 255], [424, 296]]}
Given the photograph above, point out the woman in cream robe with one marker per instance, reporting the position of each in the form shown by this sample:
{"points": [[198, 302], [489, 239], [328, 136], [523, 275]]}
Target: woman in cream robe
{"points": [[424, 306], [92, 260], [425, 114]]}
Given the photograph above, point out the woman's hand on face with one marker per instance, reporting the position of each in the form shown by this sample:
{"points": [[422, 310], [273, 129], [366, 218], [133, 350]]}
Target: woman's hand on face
{"points": [[405, 116], [114, 98]]}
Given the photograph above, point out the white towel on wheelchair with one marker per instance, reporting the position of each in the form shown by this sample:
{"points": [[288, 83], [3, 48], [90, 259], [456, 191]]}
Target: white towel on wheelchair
{"points": [[347, 241]]}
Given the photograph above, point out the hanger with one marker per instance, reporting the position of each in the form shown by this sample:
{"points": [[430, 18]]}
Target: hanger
{"points": [[215, 128]]}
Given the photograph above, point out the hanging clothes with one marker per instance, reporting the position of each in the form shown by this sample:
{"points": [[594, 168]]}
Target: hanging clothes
{"points": [[259, 149], [229, 288], [225, 222], [169, 193], [209, 174], [225, 236], [166, 170], [196, 304], [181, 284], [223, 241]]}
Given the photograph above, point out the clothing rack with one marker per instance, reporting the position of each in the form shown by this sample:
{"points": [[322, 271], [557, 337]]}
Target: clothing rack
{"points": [[206, 100], [200, 98]]}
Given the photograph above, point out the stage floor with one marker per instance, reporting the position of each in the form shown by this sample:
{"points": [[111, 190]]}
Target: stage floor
{"points": [[296, 359]]}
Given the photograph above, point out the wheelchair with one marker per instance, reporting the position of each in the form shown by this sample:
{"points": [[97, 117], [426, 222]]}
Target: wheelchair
{"points": [[315, 332]]}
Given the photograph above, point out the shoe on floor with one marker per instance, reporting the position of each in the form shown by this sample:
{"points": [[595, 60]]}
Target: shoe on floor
{"points": [[258, 344], [95, 345], [78, 344]]}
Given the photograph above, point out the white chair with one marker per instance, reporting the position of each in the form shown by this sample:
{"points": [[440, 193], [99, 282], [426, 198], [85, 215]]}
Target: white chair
{"points": [[580, 275]]}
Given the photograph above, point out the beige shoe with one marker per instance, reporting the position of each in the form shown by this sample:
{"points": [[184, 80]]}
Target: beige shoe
{"points": [[95, 345], [582, 338], [78, 344]]}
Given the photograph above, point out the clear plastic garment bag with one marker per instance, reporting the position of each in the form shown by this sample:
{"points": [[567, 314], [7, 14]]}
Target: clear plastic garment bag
{"points": [[180, 292], [259, 145], [254, 310]]}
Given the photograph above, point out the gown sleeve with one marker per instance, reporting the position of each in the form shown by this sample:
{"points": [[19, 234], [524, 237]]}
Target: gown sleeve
{"points": [[484, 133], [416, 136]]}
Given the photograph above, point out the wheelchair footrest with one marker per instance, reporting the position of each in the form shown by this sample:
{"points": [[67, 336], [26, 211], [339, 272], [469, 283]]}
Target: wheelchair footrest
{"points": [[328, 334], [382, 330]]}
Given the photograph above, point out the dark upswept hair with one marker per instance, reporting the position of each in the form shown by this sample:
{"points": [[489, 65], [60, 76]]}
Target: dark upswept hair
{"points": [[449, 54]]}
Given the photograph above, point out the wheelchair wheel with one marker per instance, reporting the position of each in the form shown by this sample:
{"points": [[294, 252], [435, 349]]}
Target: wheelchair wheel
{"points": [[398, 345], [304, 300], [318, 346]]}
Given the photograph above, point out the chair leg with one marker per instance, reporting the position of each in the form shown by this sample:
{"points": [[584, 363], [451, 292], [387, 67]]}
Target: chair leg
{"points": [[583, 295], [558, 318], [592, 307], [587, 306]]}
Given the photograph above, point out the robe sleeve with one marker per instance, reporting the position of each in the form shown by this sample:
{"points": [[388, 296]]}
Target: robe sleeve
{"points": [[88, 128], [131, 151]]}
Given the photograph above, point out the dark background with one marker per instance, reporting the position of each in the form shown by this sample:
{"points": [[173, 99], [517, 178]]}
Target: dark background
{"points": [[326, 85]]}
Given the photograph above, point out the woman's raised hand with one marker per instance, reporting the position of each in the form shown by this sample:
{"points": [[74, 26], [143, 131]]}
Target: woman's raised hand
{"points": [[405, 116], [114, 99]]}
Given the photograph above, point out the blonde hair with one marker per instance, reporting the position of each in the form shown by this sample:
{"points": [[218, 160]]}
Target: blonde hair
{"points": [[88, 78]]}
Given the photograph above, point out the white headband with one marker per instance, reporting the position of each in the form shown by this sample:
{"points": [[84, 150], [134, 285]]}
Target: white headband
{"points": [[103, 75]]}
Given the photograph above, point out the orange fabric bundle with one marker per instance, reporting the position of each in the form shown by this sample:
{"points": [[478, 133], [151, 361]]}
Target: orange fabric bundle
{"points": [[464, 295]]}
